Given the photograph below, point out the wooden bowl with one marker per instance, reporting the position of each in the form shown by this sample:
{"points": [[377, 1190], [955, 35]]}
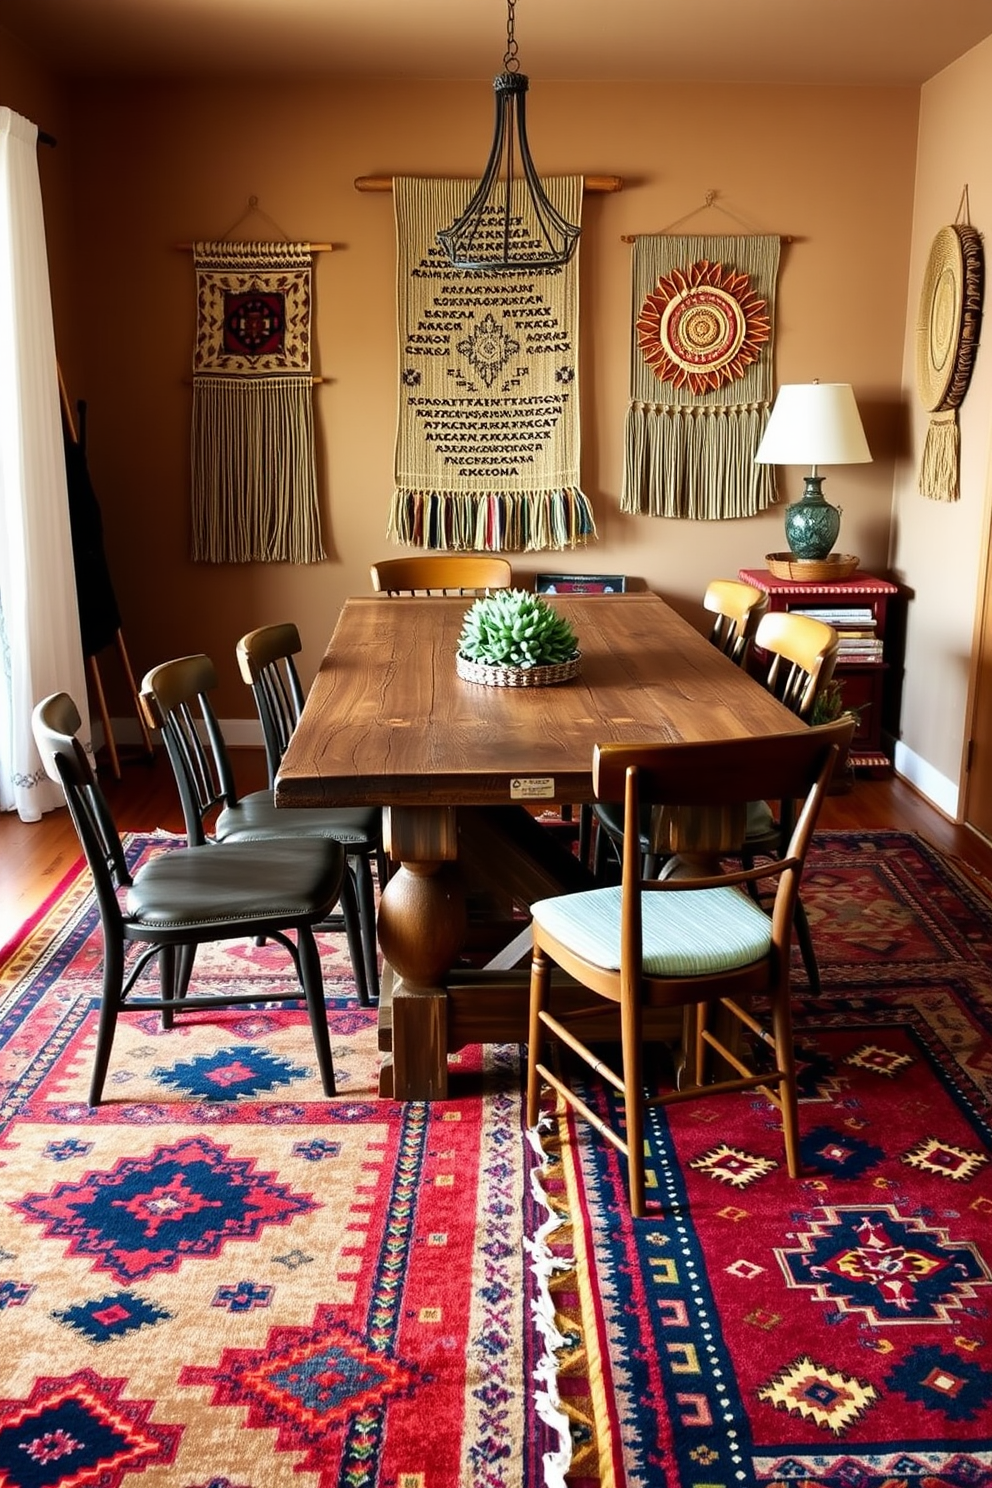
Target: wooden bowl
{"points": [[811, 570]]}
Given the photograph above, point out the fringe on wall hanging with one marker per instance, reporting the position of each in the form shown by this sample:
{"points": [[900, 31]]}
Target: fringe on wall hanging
{"points": [[487, 443], [701, 378], [254, 480], [947, 337]]}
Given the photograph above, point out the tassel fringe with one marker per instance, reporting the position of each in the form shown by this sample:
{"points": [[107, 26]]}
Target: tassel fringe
{"points": [[940, 465], [254, 478], [696, 463], [494, 523]]}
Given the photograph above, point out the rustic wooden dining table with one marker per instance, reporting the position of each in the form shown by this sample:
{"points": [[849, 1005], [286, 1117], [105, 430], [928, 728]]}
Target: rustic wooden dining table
{"points": [[463, 771]]}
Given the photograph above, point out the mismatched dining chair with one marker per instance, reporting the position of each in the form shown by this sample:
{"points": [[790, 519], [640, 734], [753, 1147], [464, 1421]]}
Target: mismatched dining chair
{"points": [[175, 698], [265, 661], [441, 573], [737, 608], [188, 897], [699, 942]]}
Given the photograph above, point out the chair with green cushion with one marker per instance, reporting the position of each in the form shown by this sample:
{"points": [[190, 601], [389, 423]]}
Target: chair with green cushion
{"points": [[175, 699], [700, 942], [188, 897], [265, 661]]}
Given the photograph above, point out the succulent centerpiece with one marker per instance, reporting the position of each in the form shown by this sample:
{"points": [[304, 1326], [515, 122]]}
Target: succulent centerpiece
{"points": [[512, 638]]}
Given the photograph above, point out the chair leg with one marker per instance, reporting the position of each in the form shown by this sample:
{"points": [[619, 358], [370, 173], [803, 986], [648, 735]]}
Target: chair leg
{"points": [[366, 915], [110, 1004], [352, 915], [804, 936], [632, 1044], [785, 1059], [540, 982], [168, 983], [313, 990]]}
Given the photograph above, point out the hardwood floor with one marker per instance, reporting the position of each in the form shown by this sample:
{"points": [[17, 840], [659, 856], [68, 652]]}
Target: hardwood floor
{"points": [[35, 856]]}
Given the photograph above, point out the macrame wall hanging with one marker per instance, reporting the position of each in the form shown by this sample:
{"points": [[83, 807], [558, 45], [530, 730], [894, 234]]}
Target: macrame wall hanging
{"points": [[487, 444], [701, 375], [947, 335], [254, 482]]}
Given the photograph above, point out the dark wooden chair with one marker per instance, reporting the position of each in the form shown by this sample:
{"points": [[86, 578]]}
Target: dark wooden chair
{"points": [[698, 941], [188, 897], [441, 573], [265, 661], [175, 697]]}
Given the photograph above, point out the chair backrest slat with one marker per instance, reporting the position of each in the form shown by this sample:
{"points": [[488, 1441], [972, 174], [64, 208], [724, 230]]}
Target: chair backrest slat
{"points": [[265, 660], [174, 698]]}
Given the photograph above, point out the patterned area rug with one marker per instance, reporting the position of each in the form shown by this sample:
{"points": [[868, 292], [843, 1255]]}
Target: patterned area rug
{"points": [[835, 1330], [220, 1279]]}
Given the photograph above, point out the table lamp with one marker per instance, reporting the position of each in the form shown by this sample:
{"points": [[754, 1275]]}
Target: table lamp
{"points": [[813, 423]]}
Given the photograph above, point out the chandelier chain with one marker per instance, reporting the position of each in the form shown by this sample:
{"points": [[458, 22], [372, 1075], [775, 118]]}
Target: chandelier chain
{"points": [[511, 61]]}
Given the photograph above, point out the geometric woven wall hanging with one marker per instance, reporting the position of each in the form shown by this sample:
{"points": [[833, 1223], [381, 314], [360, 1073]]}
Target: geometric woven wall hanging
{"points": [[947, 334], [701, 377], [254, 482], [487, 442]]}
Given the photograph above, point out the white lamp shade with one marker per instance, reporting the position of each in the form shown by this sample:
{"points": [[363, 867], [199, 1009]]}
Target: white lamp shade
{"points": [[814, 423]]}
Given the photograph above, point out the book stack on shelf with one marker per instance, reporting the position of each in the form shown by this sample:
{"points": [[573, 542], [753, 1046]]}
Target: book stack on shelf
{"points": [[856, 627]]}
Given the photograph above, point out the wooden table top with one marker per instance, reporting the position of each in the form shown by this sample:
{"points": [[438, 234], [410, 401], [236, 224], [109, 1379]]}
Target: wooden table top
{"points": [[389, 722]]}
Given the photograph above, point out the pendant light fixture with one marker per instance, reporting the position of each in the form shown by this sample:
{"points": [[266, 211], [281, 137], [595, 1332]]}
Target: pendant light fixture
{"points": [[488, 233]]}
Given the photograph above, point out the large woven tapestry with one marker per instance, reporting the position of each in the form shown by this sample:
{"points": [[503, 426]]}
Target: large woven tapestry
{"points": [[254, 473], [701, 376], [487, 445]]}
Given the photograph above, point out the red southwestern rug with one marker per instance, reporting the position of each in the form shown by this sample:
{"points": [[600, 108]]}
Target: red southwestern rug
{"points": [[835, 1330], [221, 1279]]}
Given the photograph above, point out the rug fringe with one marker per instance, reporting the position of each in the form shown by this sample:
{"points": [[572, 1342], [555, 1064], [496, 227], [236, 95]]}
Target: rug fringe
{"points": [[547, 1401]]}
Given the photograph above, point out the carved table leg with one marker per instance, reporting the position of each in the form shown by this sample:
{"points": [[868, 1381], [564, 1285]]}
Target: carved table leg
{"points": [[422, 927]]}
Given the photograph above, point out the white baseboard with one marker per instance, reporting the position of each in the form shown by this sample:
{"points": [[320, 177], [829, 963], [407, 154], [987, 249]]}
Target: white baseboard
{"points": [[928, 781], [240, 733]]}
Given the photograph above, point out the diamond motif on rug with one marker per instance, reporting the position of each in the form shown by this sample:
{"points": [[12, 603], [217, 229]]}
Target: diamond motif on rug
{"points": [[882, 1061], [152, 1213], [76, 1430], [112, 1316], [304, 1382], [734, 1166], [242, 1070], [934, 1156], [825, 1396], [827, 1150], [869, 1259], [959, 1388]]}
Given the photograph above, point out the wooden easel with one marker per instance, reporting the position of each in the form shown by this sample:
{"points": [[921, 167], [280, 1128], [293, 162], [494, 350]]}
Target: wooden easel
{"points": [[92, 664]]}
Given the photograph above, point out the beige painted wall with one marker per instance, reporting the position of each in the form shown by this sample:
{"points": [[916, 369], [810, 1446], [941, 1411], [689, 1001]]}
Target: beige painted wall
{"points": [[157, 166], [937, 547]]}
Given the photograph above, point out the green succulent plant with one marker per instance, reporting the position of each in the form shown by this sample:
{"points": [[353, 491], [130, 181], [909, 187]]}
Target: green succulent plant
{"points": [[512, 627]]}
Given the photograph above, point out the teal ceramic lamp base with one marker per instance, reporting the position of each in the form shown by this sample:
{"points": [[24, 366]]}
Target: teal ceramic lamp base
{"points": [[812, 524]]}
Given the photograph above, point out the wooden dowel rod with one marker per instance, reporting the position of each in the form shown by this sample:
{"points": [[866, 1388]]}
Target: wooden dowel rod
{"points": [[633, 237], [590, 183], [233, 243]]}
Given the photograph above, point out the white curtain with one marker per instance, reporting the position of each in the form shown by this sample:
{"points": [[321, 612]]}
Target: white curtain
{"points": [[39, 620]]}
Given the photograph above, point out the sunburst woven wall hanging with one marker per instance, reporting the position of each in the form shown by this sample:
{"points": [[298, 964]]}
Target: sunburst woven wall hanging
{"points": [[947, 335], [701, 375]]}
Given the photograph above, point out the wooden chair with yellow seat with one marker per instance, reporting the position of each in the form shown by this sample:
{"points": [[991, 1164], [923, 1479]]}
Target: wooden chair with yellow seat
{"points": [[441, 573], [697, 942], [193, 896]]}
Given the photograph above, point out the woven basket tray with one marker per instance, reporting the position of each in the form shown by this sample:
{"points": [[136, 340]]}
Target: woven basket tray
{"points": [[516, 676], [811, 570]]}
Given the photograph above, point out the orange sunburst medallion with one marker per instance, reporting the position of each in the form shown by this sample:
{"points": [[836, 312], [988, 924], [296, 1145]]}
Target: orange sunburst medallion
{"points": [[702, 327]]}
